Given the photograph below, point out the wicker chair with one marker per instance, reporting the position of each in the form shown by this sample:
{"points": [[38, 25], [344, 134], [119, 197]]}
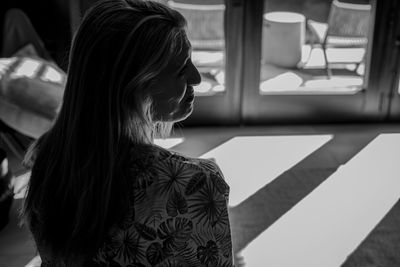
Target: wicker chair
{"points": [[347, 27], [205, 24]]}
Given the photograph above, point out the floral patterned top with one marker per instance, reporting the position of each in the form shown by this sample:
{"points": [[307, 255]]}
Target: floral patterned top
{"points": [[178, 217]]}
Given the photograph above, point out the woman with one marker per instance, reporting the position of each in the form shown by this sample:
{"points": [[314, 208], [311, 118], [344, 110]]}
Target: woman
{"points": [[101, 193]]}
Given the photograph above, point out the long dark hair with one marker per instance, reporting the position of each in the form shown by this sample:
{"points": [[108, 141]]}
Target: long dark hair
{"points": [[78, 189]]}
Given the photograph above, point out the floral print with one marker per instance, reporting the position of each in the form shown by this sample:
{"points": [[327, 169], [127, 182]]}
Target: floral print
{"points": [[208, 254], [178, 215], [176, 204]]}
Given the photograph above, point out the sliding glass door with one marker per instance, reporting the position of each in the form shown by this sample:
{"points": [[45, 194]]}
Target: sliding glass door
{"points": [[311, 61]]}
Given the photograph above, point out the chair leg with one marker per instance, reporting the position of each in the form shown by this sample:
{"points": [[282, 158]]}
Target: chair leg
{"points": [[327, 69], [9, 137], [359, 63], [11, 146]]}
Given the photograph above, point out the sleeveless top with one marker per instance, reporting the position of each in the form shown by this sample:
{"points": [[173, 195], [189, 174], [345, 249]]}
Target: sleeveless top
{"points": [[178, 215]]}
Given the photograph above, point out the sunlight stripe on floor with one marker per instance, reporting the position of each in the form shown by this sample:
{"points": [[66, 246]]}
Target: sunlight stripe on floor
{"points": [[251, 162], [168, 142], [328, 225]]}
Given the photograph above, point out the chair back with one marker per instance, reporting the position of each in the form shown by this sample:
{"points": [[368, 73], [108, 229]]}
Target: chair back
{"points": [[349, 20], [31, 93], [205, 24]]}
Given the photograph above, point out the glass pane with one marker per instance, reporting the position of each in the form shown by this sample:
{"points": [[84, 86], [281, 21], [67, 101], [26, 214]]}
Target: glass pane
{"points": [[314, 46], [205, 29]]}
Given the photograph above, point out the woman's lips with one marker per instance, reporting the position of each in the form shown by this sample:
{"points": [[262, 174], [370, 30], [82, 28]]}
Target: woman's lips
{"points": [[190, 96]]}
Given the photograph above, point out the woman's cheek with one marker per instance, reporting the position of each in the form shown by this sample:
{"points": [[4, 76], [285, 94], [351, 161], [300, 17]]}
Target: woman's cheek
{"points": [[181, 90]]}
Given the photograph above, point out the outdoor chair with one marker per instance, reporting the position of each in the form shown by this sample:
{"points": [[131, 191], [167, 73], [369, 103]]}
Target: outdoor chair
{"points": [[205, 30], [31, 91], [347, 27]]}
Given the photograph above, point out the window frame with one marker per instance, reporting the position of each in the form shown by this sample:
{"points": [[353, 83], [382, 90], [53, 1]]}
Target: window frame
{"points": [[393, 44]]}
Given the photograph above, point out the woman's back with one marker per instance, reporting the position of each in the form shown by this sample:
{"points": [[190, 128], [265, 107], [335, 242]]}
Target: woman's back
{"points": [[178, 215]]}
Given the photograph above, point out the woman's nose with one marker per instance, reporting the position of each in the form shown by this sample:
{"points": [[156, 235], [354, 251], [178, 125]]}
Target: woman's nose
{"points": [[194, 77]]}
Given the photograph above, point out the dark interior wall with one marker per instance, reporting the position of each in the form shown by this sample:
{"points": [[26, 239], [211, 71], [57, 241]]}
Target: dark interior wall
{"points": [[50, 18]]}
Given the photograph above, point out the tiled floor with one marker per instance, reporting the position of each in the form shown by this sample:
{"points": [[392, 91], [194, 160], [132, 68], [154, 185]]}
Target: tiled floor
{"points": [[300, 195]]}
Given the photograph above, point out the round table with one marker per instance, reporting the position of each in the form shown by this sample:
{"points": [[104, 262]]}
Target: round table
{"points": [[283, 38]]}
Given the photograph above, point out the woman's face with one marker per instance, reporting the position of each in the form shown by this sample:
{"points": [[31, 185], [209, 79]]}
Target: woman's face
{"points": [[173, 93]]}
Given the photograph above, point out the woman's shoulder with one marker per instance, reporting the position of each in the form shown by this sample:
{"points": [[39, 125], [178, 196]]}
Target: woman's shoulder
{"points": [[204, 164], [159, 164], [198, 167]]}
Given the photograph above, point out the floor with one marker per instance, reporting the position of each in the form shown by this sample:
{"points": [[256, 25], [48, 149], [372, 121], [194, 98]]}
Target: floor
{"points": [[300, 195], [308, 77]]}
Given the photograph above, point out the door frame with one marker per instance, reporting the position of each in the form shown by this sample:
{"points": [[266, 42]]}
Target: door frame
{"points": [[393, 67]]}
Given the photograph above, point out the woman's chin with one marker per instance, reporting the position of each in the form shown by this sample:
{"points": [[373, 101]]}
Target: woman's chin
{"points": [[183, 114]]}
